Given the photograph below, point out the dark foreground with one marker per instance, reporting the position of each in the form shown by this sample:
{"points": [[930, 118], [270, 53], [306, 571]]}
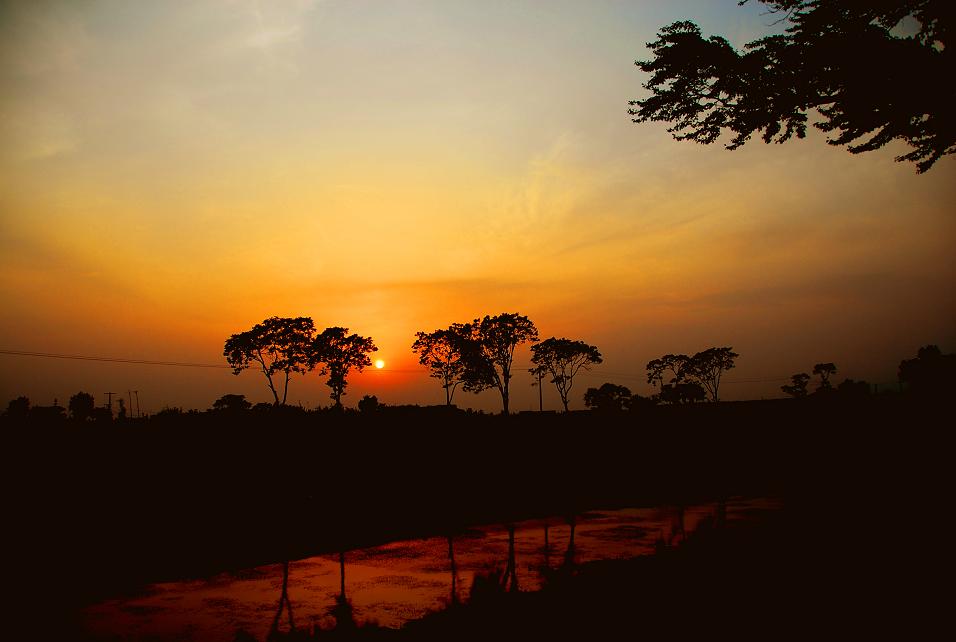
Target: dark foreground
{"points": [[99, 510]]}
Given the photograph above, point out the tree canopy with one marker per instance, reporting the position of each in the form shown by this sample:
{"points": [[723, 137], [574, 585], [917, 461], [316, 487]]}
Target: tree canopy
{"points": [[609, 397], [874, 71], [798, 385], [231, 403], [339, 352], [277, 345], [492, 342], [708, 365], [684, 379], [824, 370], [444, 353], [562, 359], [81, 406], [931, 372]]}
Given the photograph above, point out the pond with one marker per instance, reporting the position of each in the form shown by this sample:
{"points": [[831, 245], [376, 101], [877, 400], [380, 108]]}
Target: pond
{"points": [[397, 582]]}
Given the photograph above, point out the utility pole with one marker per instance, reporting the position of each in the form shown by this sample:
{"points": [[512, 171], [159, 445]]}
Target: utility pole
{"points": [[109, 400], [130, 395], [136, 392], [539, 373]]}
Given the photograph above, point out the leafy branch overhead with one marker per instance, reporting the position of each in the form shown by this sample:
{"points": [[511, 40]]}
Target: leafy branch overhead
{"points": [[875, 72]]}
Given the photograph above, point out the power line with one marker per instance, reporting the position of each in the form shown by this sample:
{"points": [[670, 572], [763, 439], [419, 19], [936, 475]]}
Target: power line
{"points": [[187, 364], [83, 357]]}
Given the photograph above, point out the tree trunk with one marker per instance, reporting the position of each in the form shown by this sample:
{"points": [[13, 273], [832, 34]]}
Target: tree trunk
{"points": [[275, 394]]}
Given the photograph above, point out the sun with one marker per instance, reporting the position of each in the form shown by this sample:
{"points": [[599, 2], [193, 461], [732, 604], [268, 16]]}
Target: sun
{"points": [[379, 364]]}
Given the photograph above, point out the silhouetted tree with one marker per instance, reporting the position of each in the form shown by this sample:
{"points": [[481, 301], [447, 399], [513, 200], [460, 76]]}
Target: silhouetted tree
{"points": [[638, 402], [681, 393], [798, 385], [277, 345], [18, 409], [708, 365], [824, 370], [871, 81], [490, 351], [687, 374], [368, 404], [121, 411], [231, 403], [339, 352], [931, 372], [850, 389], [675, 364], [608, 398], [442, 353], [81, 406], [538, 372], [563, 358]]}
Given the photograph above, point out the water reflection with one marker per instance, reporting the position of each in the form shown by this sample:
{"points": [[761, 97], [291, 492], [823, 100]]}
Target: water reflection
{"points": [[401, 581], [284, 604], [572, 522], [511, 572], [454, 572]]}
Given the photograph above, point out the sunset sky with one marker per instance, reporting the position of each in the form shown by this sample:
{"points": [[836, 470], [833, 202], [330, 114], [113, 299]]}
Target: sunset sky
{"points": [[174, 172]]}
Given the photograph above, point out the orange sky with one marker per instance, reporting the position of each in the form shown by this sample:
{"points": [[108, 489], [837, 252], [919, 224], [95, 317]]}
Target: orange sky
{"points": [[173, 173]]}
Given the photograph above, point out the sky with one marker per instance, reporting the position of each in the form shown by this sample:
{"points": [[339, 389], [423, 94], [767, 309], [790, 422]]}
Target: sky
{"points": [[174, 172]]}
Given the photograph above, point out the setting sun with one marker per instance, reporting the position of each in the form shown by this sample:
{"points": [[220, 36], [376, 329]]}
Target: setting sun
{"points": [[379, 364]]}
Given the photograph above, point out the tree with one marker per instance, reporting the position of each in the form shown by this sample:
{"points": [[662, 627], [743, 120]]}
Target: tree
{"points": [[368, 404], [850, 389], [824, 370], [81, 406], [231, 403], [339, 352], [676, 364], [931, 372], [277, 345], [798, 385], [538, 372], [682, 392], [638, 402], [490, 350], [608, 398], [18, 408], [442, 352], [677, 389], [857, 64], [708, 365], [563, 358]]}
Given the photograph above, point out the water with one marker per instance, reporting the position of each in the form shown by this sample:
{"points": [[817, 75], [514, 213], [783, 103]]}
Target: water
{"points": [[393, 583]]}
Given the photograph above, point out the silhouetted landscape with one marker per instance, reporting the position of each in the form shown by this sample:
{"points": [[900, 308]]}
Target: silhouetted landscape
{"points": [[112, 506], [300, 233]]}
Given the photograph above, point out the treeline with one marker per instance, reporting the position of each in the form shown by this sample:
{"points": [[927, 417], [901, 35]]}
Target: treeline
{"points": [[479, 355]]}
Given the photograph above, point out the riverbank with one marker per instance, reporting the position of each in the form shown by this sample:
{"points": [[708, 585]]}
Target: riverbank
{"points": [[100, 510]]}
